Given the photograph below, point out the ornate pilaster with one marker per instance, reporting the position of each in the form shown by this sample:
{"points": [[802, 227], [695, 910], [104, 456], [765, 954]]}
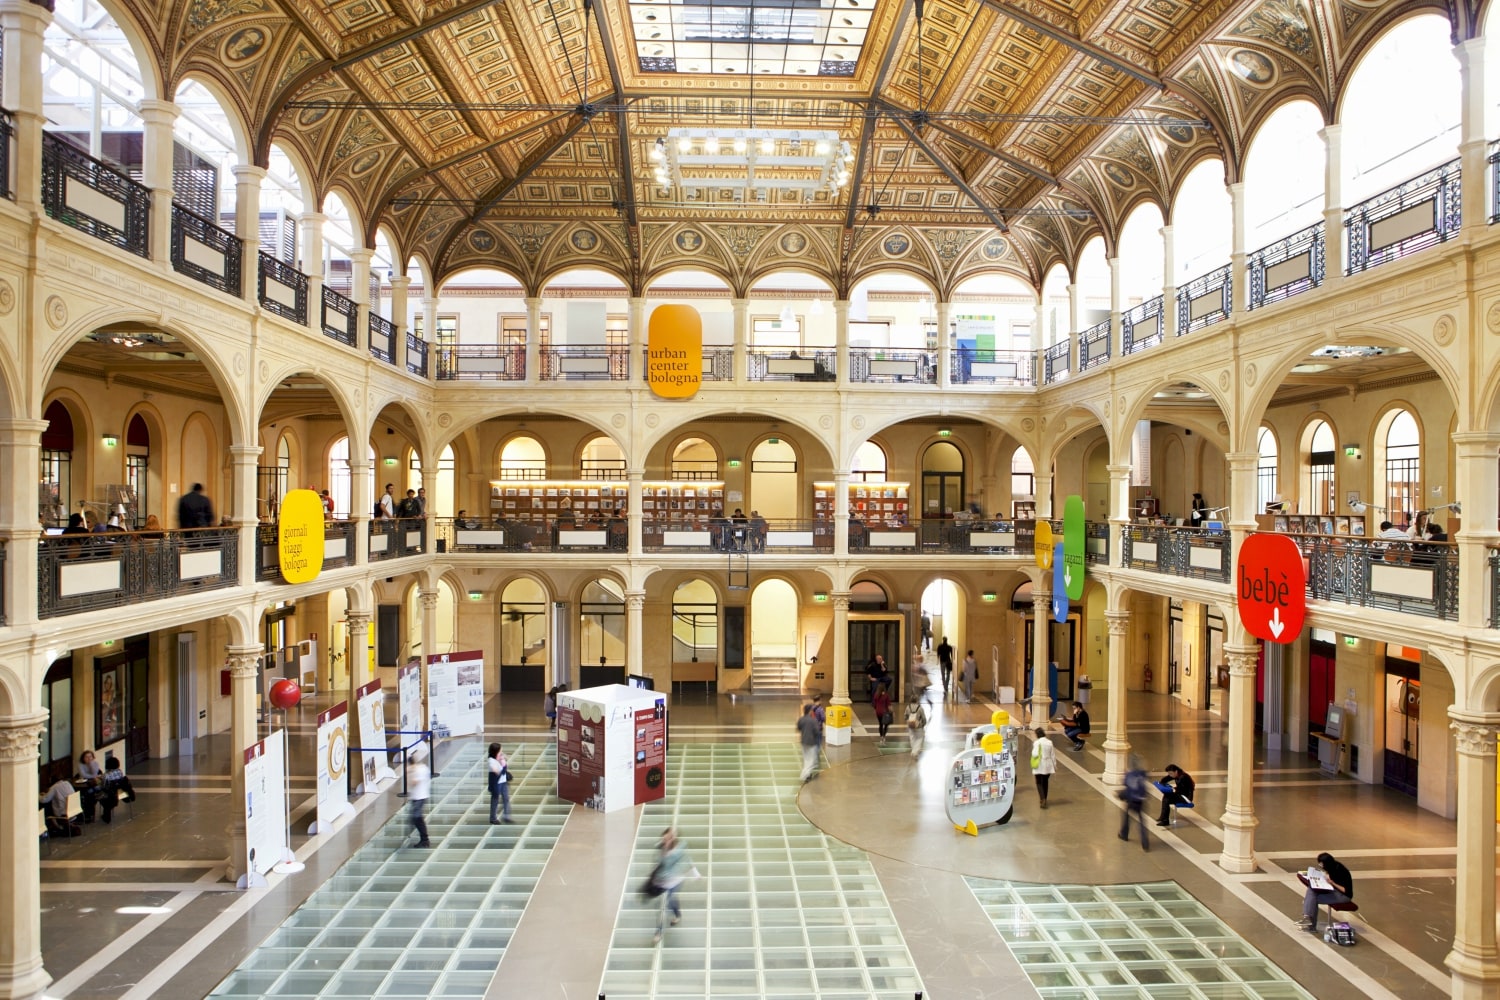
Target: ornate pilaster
{"points": [[1239, 812], [21, 971], [1475, 960], [635, 636], [1116, 744], [243, 663], [533, 338], [840, 600], [1333, 203]]}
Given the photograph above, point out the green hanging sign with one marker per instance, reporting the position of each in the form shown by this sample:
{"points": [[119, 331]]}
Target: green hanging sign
{"points": [[1073, 546]]}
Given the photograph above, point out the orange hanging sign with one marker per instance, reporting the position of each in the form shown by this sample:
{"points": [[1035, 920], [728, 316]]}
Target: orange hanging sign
{"points": [[674, 351]]}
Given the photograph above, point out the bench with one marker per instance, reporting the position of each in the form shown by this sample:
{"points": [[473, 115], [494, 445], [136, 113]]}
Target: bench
{"points": [[1179, 805]]}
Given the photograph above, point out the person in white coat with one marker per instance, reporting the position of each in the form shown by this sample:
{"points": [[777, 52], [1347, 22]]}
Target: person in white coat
{"points": [[916, 724], [1043, 763]]}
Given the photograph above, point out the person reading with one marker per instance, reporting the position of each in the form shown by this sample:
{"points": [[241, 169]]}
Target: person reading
{"points": [[1176, 790], [1328, 883], [1076, 726]]}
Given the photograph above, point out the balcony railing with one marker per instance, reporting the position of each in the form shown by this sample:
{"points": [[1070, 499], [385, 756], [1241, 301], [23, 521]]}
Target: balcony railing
{"points": [[416, 355], [394, 538], [338, 548], [1287, 267], [1413, 216], [1204, 301], [78, 573], [3, 575], [340, 317], [585, 362], [718, 363], [283, 289], [481, 363], [974, 366], [775, 365], [6, 131], [1093, 346], [1096, 543], [1494, 588], [1188, 552], [1142, 325], [382, 334], [1495, 181], [82, 192], [884, 364], [1055, 362], [206, 253], [1417, 579]]}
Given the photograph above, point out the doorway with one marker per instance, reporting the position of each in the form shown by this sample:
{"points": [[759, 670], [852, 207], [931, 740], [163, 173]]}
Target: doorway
{"points": [[1322, 658], [523, 637], [942, 489], [871, 635], [1403, 709]]}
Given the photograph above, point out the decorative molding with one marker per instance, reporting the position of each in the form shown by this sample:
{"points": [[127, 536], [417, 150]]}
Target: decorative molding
{"points": [[1474, 739], [19, 743]]}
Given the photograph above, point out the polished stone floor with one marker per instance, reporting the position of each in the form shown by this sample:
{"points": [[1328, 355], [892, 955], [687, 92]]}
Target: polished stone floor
{"points": [[852, 885]]}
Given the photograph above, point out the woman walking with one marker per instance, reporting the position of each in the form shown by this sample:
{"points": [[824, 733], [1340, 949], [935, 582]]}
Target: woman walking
{"points": [[882, 705], [1043, 763], [673, 868], [499, 784]]}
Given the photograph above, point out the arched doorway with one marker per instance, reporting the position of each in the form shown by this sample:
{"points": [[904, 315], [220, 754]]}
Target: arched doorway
{"points": [[775, 665], [943, 605], [695, 633], [601, 633], [942, 488], [773, 479], [523, 637]]}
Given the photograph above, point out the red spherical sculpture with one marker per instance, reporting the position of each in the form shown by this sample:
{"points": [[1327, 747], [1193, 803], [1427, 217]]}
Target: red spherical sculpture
{"points": [[285, 693]]}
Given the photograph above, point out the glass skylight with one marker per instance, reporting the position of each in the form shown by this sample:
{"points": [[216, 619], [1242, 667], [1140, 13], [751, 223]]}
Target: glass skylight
{"points": [[770, 37]]}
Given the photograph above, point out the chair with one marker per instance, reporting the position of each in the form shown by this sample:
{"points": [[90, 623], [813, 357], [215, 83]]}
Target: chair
{"points": [[1176, 807], [74, 808], [42, 832]]}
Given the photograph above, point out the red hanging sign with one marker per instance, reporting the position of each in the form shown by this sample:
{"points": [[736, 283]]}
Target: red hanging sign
{"points": [[1271, 587]]}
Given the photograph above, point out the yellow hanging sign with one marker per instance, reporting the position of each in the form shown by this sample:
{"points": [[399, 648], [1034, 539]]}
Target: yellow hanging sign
{"points": [[299, 536], [674, 351], [1044, 544]]}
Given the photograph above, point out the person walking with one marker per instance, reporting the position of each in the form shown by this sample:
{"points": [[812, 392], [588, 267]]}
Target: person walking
{"points": [[499, 783], [195, 510], [926, 631], [1043, 763], [418, 787], [673, 867], [1134, 796], [969, 675], [945, 665], [811, 735], [916, 725], [882, 705]]}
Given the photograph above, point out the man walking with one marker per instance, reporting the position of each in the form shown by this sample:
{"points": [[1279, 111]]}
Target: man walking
{"points": [[418, 787], [812, 735], [194, 510], [945, 664], [1134, 796]]}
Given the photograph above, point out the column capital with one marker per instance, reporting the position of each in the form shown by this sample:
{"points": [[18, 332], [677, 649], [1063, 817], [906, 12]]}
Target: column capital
{"points": [[357, 619], [1118, 622], [362, 255], [400, 281], [244, 173], [245, 453], [155, 112], [19, 428], [1474, 734], [244, 661], [20, 736], [1117, 471], [840, 600], [1241, 659], [429, 598]]}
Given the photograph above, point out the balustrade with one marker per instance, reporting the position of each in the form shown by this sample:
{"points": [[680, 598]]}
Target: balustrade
{"points": [[78, 573], [1055, 362], [204, 252], [1142, 325], [1411, 216], [1204, 301], [1420, 579], [340, 317], [6, 131], [584, 362], [282, 289], [976, 366], [885, 365], [1187, 552], [1093, 346], [94, 198], [416, 355], [481, 362], [393, 538], [778, 365], [382, 338], [1287, 267]]}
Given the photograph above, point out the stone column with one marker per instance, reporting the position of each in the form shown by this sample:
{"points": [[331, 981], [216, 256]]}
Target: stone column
{"points": [[359, 650], [157, 118], [243, 507], [1075, 312], [1239, 274], [841, 515], [533, 338], [359, 291], [944, 343], [1039, 322], [1116, 743], [635, 637], [427, 597], [23, 25], [1474, 960], [635, 516], [1333, 203], [740, 308], [1239, 812], [429, 314], [247, 182], [1043, 496], [361, 500], [244, 664], [841, 339], [312, 264], [20, 448], [638, 337], [1169, 283], [1041, 613], [840, 600], [1475, 475], [1119, 509], [400, 288], [1116, 309], [21, 971], [1473, 142]]}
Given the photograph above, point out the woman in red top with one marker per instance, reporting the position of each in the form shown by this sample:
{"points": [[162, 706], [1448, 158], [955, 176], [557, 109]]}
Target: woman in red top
{"points": [[882, 705]]}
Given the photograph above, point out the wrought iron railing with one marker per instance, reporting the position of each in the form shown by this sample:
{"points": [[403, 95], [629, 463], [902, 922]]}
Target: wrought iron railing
{"points": [[3, 575], [1096, 543], [78, 573], [766, 364], [340, 317], [1142, 325], [480, 362], [1410, 217], [587, 362], [94, 198], [1093, 346], [1287, 267], [1187, 552], [382, 333], [718, 363], [6, 131], [282, 289], [416, 355], [1055, 362], [1494, 588], [338, 548], [1494, 160], [1204, 301], [884, 364], [206, 253], [974, 366], [1419, 579], [393, 538]]}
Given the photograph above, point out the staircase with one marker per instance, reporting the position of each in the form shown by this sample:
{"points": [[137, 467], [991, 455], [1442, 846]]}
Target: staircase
{"points": [[770, 675]]}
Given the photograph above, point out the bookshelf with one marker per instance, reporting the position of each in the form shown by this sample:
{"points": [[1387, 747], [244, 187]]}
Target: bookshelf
{"points": [[872, 502]]}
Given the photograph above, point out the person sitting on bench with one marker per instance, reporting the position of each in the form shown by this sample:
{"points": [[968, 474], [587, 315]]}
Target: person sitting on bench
{"points": [[1076, 726], [1176, 790], [1340, 889]]}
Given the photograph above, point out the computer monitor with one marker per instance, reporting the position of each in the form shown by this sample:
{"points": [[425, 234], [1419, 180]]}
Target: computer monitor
{"points": [[1333, 728], [1214, 527], [640, 681]]}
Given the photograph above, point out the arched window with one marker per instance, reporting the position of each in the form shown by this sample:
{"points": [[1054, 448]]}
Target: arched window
{"points": [[523, 458], [137, 470], [1403, 467], [601, 620], [867, 595], [1022, 476], [56, 493], [869, 464], [273, 481], [695, 623], [601, 459], [1320, 473], [695, 459], [1266, 488], [942, 480], [340, 478], [523, 637]]}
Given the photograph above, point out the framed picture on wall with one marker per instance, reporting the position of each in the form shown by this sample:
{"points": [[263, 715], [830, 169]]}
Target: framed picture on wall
{"points": [[1341, 525], [109, 682]]}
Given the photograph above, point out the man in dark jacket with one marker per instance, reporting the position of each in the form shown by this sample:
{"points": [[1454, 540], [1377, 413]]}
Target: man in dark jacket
{"points": [[1176, 789], [194, 510]]}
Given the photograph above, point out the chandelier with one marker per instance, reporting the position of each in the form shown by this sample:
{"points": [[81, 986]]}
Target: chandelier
{"points": [[750, 161]]}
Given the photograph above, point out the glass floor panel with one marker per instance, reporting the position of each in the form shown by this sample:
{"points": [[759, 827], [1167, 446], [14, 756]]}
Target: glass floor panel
{"points": [[795, 913], [394, 923], [1154, 953]]}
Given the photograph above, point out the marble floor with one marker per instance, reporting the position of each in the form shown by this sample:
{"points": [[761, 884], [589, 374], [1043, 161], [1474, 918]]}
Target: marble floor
{"points": [[853, 885]]}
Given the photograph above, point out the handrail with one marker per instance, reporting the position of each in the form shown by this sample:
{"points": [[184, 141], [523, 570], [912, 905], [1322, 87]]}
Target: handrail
{"points": [[288, 283], [1056, 361], [784, 364], [1135, 325], [1494, 162], [474, 362], [972, 365], [1204, 301], [79, 573], [336, 305], [382, 338], [892, 364], [6, 131], [1412, 216], [1094, 346], [211, 239], [416, 355], [568, 362], [1277, 271], [62, 163]]}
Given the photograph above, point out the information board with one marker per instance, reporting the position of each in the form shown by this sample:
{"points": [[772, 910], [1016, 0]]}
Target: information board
{"points": [[265, 803], [333, 767], [374, 763], [455, 693]]}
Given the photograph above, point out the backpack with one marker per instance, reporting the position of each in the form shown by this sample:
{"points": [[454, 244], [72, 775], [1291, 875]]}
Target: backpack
{"points": [[1135, 787], [1339, 933]]}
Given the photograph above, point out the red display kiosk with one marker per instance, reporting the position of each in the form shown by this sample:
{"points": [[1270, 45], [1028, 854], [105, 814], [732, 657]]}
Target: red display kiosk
{"points": [[611, 746]]}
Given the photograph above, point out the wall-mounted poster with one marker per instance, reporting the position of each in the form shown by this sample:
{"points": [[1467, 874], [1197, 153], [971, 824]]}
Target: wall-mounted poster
{"points": [[111, 713], [455, 693]]}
